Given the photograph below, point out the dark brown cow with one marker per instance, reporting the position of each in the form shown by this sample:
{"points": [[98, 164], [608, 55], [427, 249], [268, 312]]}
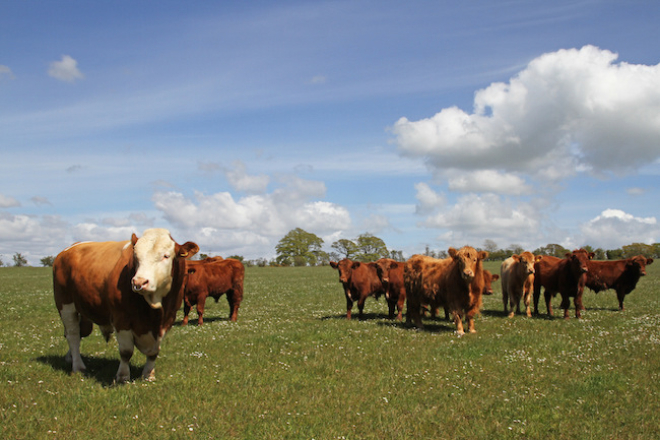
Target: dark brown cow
{"points": [[360, 281], [390, 273], [133, 288], [518, 282], [213, 277], [456, 283], [562, 275], [620, 275]]}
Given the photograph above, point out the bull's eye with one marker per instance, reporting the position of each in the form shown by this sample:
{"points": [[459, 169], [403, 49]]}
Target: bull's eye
{"points": [[166, 256]]}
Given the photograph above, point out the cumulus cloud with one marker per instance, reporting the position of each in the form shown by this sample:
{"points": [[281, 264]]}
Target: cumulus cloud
{"points": [[65, 70], [253, 223], [428, 200], [240, 180], [488, 181], [567, 111], [614, 228]]}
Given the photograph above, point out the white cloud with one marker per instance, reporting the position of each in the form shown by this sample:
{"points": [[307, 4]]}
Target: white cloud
{"points": [[567, 111], [253, 224], [8, 202], [65, 70], [6, 72], [428, 200], [614, 228], [488, 181]]}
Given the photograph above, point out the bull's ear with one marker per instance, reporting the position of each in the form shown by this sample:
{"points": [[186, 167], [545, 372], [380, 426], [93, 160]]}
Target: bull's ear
{"points": [[452, 252], [515, 257], [355, 265], [394, 265], [134, 239], [334, 264], [592, 255], [496, 277], [191, 270], [649, 261], [187, 249], [482, 255], [538, 258]]}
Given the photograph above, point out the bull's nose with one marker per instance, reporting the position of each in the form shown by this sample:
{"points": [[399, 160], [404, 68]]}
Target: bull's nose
{"points": [[139, 283]]}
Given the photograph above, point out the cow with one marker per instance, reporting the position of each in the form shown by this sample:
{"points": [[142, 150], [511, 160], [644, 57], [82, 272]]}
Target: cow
{"points": [[456, 283], [620, 275], [390, 273], [360, 281], [517, 274], [562, 275], [133, 288], [213, 277], [489, 279]]}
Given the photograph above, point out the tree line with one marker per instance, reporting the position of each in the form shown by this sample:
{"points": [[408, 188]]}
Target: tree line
{"points": [[301, 248]]}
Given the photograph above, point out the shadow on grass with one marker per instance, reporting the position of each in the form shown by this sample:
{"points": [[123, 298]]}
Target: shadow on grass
{"points": [[100, 369], [194, 321], [356, 317]]}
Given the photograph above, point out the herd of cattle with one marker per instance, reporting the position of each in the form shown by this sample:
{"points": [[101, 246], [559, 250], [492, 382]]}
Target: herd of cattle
{"points": [[135, 288]]}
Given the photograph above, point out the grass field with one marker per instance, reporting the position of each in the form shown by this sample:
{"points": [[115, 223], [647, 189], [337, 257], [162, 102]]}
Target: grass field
{"points": [[292, 367]]}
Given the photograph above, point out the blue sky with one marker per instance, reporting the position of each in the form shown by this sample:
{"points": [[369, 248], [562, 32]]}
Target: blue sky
{"points": [[422, 122]]}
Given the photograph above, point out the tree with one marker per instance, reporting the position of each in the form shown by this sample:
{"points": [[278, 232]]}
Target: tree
{"points": [[345, 248], [490, 246], [19, 260], [371, 248], [299, 247], [47, 261], [635, 249]]}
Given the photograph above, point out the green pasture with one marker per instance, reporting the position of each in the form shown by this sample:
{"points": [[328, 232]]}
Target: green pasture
{"points": [[292, 367]]}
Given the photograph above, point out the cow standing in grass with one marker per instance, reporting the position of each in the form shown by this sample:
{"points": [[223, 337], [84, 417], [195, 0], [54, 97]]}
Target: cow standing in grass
{"points": [[390, 273], [517, 274], [566, 276], [360, 281], [132, 288], [620, 275], [213, 277]]}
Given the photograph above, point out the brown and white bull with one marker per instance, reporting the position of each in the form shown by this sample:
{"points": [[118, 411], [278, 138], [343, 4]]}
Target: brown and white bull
{"points": [[132, 288], [517, 273], [213, 277]]}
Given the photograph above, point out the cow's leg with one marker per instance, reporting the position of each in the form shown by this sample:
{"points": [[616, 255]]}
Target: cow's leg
{"points": [[620, 296], [186, 311], [150, 347], [505, 300], [71, 320], [578, 306], [565, 305], [349, 306], [526, 298], [537, 296], [458, 320], [233, 306], [548, 301], [126, 346], [399, 306], [201, 302], [361, 307]]}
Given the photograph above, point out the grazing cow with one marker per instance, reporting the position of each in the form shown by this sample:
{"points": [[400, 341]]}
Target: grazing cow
{"points": [[518, 282], [213, 277], [456, 283], [564, 275], [360, 281], [390, 273], [133, 288], [620, 275]]}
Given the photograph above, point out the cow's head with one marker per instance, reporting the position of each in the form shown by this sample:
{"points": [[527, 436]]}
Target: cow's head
{"points": [[526, 262], [467, 259], [383, 267], [639, 263], [489, 278], [345, 268], [154, 256], [579, 260]]}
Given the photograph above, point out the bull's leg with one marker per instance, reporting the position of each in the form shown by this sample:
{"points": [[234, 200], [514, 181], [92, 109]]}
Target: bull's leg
{"points": [[505, 300], [126, 346], [548, 301], [236, 297], [399, 306], [565, 305], [361, 307], [578, 306], [526, 298], [150, 346], [537, 296], [201, 302], [391, 305], [71, 320], [186, 311]]}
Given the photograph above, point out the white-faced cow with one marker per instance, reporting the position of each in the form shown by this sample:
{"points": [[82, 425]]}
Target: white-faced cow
{"points": [[517, 274], [132, 288]]}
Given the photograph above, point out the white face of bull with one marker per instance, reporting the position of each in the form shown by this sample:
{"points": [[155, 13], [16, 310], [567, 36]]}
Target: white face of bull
{"points": [[154, 253]]}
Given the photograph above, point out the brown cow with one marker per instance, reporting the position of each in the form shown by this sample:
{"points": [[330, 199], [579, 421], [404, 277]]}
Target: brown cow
{"points": [[518, 282], [360, 281], [213, 277], [133, 288], [620, 275], [390, 273], [564, 275], [489, 278], [456, 283]]}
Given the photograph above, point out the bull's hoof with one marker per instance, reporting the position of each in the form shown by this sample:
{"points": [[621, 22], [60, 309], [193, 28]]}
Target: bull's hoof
{"points": [[120, 380], [510, 315]]}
